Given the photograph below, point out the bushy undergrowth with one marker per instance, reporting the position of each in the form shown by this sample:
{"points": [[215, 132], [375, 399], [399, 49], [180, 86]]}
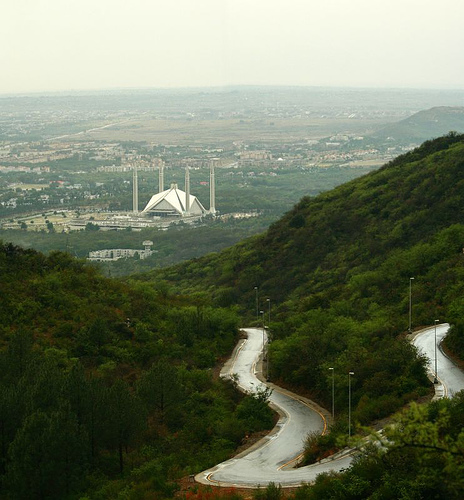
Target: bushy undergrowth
{"points": [[337, 270], [107, 388]]}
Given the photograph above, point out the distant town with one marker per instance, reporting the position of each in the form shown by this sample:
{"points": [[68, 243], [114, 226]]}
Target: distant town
{"points": [[33, 177], [139, 160]]}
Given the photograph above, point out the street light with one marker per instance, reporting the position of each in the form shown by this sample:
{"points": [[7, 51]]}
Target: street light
{"points": [[349, 404], [410, 305], [269, 312], [268, 300], [257, 303], [436, 371], [262, 318], [333, 393]]}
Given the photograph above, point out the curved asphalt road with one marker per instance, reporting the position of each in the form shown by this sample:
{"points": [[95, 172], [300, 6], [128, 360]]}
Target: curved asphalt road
{"points": [[277, 452], [271, 459], [450, 377]]}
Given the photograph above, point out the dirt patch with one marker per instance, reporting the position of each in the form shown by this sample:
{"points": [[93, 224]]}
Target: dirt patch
{"points": [[250, 440], [186, 486], [218, 367]]}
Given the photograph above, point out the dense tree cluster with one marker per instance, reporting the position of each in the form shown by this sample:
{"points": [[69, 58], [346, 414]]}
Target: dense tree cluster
{"points": [[337, 270], [421, 455], [116, 380], [106, 387]]}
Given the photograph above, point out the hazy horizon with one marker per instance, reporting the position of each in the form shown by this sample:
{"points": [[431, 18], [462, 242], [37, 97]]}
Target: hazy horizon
{"points": [[112, 45], [115, 90]]}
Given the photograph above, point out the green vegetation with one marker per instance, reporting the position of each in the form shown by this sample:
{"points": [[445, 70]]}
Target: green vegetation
{"points": [[422, 456], [237, 191], [177, 244], [116, 377], [337, 270], [107, 388]]}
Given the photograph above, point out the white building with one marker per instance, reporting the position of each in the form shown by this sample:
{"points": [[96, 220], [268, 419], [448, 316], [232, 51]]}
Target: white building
{"points": [[174, 202], [121, 253]]}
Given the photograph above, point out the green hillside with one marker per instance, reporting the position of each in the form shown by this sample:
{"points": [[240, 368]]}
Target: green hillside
{"points": [[424, 125], [107, 390], [337, 270]]}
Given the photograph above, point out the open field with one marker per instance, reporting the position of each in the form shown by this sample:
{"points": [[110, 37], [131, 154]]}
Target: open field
{"points": [[28, 187], [38, 221], [366, 163], [220, 132]]}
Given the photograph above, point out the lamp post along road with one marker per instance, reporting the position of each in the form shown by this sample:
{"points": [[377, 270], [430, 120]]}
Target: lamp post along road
{"points": [[264, 351], [269, 313], [349, 404], [410, 305], [257, 303], [268, 300], [436, 369], [333, 393]]}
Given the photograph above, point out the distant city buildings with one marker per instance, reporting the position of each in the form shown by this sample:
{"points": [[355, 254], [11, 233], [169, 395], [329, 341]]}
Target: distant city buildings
{"points": [[142, 165], [113, 254], [71, 168], [24, 168], [255, 155]]}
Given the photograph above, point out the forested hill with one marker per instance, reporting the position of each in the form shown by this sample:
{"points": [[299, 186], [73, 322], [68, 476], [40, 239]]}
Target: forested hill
{"points": [[337, 269], [106, 389], [326, 240]]}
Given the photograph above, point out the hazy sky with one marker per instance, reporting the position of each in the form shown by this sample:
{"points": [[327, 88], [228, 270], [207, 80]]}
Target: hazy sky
{"points": [[93, 44]]}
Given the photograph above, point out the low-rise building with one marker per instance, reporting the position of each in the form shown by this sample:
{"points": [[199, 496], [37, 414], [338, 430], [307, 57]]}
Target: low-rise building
{"points": [[121, 253]]}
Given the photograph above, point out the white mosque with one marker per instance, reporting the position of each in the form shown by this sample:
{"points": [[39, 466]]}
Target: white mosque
{"points": [[165, 207], [174, 202]]}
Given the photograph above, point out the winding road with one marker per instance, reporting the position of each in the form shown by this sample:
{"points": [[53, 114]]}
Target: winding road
{"points": [[272, 458], [450, 377]]}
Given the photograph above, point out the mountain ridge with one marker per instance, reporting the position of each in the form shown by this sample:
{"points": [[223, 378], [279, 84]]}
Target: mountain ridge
{"points": [[337, 271], [391, 200], [424, 125]]}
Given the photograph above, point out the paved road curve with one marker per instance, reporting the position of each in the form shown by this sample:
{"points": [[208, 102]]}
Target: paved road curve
{"points": [[271, 461], [450, 377]]}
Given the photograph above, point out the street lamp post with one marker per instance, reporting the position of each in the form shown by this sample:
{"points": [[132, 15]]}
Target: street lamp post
{"points": [[349, 404], [410, 305], [268, 300], [264, 353], [333, 393], [257, 303], [436, 370]]}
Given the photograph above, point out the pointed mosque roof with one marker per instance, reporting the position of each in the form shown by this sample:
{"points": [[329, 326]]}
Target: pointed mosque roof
{"points": [[173, 199]]}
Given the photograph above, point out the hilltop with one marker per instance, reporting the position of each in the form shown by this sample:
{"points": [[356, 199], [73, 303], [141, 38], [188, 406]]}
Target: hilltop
{"points": [[424, 125]]}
